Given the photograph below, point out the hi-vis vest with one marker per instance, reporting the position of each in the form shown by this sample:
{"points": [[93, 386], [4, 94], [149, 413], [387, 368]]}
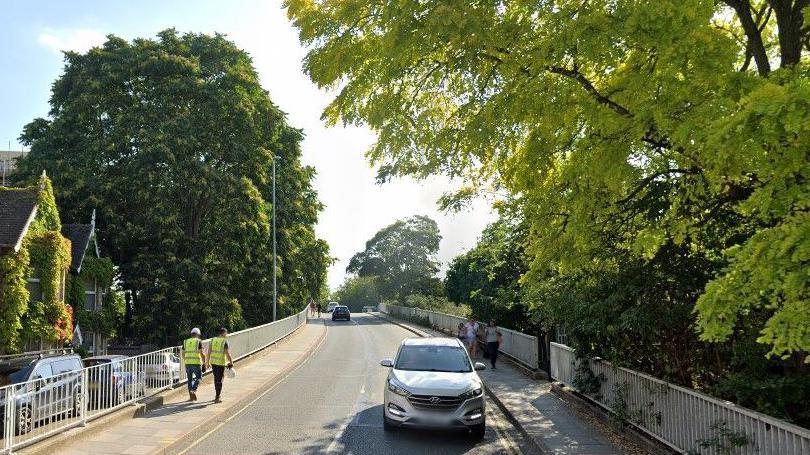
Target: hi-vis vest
{"points": [[217, 354], [191, 355]]}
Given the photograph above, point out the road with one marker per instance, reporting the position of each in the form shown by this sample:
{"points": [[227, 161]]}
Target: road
{"points": [[332, 403]]}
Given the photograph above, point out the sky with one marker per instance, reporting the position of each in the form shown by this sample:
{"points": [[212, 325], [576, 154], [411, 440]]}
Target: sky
{"points": [[33, 34]]}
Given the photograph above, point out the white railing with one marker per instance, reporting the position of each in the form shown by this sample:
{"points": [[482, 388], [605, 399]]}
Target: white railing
{"points": [[64, 395], [518, 346], [677, 416]]}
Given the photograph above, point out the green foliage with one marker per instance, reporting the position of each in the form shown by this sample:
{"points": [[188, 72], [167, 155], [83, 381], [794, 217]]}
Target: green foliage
{"points": [[44, 254], [357, 292], [723, 441], [49, 318], [98, 269], [634, 127], [488, 276], [438, 304], [14, 297], [172, 141], [403, 258], [585, 382]]}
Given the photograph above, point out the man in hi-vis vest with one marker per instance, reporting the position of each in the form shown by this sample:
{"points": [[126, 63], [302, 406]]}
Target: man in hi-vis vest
{"points": [[194, 358], [219, 355]]}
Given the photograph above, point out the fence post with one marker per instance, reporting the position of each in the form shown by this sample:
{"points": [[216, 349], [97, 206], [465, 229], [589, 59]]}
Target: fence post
{"points": [[83, 392], [9, 419]]}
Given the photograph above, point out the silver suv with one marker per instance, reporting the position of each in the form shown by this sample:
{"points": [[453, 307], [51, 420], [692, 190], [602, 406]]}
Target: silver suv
{"points": [[433, 383]]}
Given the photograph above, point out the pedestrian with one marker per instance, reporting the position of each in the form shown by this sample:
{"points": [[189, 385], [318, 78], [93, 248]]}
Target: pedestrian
{"points": [[318, 305], [493, 338], [311, 308], [219, 356], [194, 358], [462, 334], [472, 333]]}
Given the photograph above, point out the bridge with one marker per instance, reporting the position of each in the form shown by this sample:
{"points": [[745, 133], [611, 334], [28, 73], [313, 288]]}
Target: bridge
{"points": [[311, 385]]}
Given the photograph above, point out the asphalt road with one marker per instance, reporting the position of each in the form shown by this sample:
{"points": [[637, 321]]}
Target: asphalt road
{"points": [[333, 404]]}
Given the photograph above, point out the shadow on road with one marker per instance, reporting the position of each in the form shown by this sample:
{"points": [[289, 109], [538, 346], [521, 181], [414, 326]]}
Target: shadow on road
{"points": [[365, 435]]}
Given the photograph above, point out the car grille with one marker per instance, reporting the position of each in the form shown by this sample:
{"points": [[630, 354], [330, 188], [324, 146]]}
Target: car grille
{"points": [[434, 403]]}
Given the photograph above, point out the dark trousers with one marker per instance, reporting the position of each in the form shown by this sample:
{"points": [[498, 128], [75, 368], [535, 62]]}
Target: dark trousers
{"points": [[194, 375], [219, 373], [492, 348]]}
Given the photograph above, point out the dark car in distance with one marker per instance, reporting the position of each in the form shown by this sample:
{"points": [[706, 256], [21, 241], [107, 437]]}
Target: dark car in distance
{"points": [[341, 312]]}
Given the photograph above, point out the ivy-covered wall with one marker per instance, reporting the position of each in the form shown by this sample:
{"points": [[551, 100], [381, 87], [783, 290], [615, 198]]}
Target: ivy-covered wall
{"points": [[106, 321], [44, 254]]}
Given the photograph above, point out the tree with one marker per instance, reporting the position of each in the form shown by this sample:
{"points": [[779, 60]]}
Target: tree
{"points": [[172, 140], [357, 292], [403, 257], [488, 276], [678, 124]]}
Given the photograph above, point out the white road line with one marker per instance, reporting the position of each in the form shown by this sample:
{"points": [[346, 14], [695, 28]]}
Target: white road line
{"points": [[269, 389], [354, 414]]}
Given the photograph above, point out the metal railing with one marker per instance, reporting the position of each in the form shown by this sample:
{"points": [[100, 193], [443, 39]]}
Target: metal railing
{"points": [[59, 395], [518, 346], [677, 416]]}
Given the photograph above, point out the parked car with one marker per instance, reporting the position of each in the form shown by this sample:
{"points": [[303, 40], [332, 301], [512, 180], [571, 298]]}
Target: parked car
{"points": [[331, 307], [160, 369], [434, 384], [369, 309], [43, 388], [111, 380], [341, 312]]}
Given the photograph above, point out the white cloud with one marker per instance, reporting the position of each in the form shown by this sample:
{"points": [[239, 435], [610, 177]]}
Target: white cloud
{"points": [[74, 39]]}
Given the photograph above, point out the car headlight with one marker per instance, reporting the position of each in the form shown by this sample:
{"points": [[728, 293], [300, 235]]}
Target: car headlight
{"points": [[476, 392], [396, 388]]}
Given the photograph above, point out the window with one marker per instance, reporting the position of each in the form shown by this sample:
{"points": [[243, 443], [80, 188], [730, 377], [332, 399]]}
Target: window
{"points": [[90, 342], [63, 366], [34, 290], [90, 301], [43, 371], [449, 359]]}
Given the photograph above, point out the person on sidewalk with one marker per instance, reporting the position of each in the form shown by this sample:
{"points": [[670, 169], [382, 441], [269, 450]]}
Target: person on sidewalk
{"points": [[219, 356], [194, 358], [472, 334], [319, 309], [493, 338]]}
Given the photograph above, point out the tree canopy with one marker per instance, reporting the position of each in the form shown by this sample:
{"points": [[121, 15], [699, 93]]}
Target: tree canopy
{"points": [[645, 126], [403, 258], [172, 141]]}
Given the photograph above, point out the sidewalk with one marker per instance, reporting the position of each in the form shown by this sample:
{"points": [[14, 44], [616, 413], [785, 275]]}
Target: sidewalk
{"points": [[179, 418], [549, 420]]}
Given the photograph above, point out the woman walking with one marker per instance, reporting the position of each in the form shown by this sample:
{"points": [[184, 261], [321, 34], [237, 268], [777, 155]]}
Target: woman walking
{"points": [[493, 338]]}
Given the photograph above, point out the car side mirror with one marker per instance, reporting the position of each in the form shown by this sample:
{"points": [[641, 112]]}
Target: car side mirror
{"points": [[38, 382], [387, 363], [480, 366]]}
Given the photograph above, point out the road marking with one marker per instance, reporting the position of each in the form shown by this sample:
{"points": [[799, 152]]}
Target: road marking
{"points": [[269, 389], [354, 414]]}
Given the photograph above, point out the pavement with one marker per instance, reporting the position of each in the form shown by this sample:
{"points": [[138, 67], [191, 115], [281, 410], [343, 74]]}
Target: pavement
{"points": [[551, 422], [162, 428]]}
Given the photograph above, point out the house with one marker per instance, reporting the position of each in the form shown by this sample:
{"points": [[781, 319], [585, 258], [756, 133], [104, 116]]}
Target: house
{"points": [[34, 261], [91, 286]]}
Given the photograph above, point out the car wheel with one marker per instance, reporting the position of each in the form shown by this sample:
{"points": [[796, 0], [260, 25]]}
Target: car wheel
{"points": [[77, 403], [25, 420], [477, 432]]}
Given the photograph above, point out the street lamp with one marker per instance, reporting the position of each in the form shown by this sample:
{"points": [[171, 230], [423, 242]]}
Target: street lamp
{"points": [[275, 157]]}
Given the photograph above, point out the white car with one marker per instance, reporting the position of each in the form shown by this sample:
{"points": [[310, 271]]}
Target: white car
{"points": [[331, 307], [433, 383]]}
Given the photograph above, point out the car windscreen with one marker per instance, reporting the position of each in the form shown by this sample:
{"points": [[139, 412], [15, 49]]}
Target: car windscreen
{"points": [[451, 359], [94, 362]]}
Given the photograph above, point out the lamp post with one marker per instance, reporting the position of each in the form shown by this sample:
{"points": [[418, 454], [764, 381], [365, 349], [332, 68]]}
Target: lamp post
{"points": [[275, 157]]}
